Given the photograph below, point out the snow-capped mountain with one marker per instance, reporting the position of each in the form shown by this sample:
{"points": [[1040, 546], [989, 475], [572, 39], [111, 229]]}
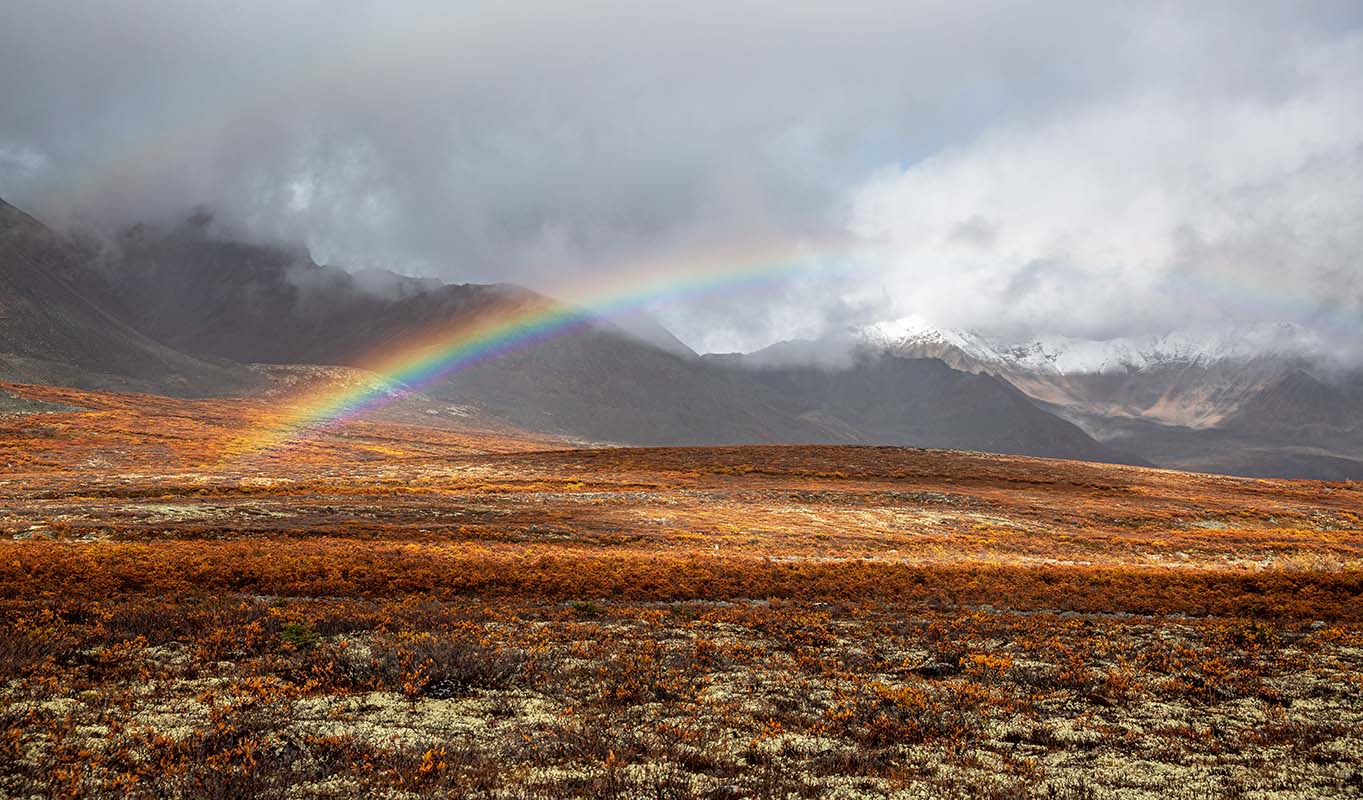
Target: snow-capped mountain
{"points": [[1062, 355], [1253, 399]]}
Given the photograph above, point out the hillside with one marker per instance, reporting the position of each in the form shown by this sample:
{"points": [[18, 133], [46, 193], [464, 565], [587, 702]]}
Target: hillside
{"points": [[886, 399], [51, 332], [1240, 402], [200, 291]]}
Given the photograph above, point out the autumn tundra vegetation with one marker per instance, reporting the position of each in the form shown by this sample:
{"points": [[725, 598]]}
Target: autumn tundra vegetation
{"points": [[410, 608]]}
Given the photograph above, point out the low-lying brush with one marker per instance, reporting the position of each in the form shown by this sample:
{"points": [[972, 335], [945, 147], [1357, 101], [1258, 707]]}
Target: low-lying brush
{"points": [[395, 611]]}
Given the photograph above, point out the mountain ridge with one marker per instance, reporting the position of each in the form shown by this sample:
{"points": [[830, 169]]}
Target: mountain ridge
{"points": [[1203, 401], [52, 331], [215, 297]]}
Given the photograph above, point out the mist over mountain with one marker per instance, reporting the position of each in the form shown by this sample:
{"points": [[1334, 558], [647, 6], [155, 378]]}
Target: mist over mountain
{"points": [[1259, 400], [52, 332], [1141, 220], [1065, 170], [211, 297], [182, 308]]}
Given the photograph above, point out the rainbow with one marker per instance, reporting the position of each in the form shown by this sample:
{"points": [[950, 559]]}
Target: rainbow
{"points": [[437, 354]]}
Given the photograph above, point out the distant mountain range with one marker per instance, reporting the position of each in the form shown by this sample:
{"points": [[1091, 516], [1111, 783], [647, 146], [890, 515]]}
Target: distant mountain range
{"points": [[191, 311], [1062, 355], [1250, 401]]}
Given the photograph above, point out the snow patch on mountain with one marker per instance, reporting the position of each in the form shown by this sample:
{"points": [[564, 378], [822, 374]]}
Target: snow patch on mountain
{"points": [[1063, 355], [916, 332]]}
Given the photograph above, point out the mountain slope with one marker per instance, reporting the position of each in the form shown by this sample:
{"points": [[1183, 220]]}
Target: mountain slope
{"points": [[1245, 402], [51, 332], [203, 293], [629, 383], [885, 399]]}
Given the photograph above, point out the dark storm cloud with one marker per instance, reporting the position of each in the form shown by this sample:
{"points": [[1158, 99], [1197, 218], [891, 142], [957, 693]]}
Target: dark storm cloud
{"points": [[517, 142]]}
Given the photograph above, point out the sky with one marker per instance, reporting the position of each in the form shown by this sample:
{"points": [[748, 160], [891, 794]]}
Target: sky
{"points": [[1075, 169]]}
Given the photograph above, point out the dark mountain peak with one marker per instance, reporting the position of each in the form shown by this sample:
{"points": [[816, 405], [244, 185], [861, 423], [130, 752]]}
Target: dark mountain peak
{"points": [[54, 331], [261, 302]]}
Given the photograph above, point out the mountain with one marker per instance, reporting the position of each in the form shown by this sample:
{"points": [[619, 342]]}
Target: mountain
{"points": [[600, 385], [195, 289], [881, 398], [202, 292], [181, 311], [1299, 404], [1062, 355], [1249, 401], [53, 332]]}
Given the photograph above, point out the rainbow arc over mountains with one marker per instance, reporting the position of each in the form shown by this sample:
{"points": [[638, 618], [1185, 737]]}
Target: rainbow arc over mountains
{"points": [[443, 351]]}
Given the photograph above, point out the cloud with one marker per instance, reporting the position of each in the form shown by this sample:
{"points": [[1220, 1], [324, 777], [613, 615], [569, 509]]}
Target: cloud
{"points": [[1150, 212], [534, 143]]}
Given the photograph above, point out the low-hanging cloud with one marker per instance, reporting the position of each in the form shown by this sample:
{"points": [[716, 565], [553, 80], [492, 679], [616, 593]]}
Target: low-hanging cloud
{"points": [[1153, 212], [1006, 158]]}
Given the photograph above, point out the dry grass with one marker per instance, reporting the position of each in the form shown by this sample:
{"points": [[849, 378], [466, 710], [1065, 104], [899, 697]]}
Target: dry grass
{"points": [[394, 610]]}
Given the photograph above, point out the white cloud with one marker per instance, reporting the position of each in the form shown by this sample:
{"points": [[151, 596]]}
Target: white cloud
{"points": [[529, 142], [1139, 214]]}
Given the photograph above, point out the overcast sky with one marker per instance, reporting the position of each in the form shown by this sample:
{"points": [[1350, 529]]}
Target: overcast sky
{"points": [[1086, 169]]}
